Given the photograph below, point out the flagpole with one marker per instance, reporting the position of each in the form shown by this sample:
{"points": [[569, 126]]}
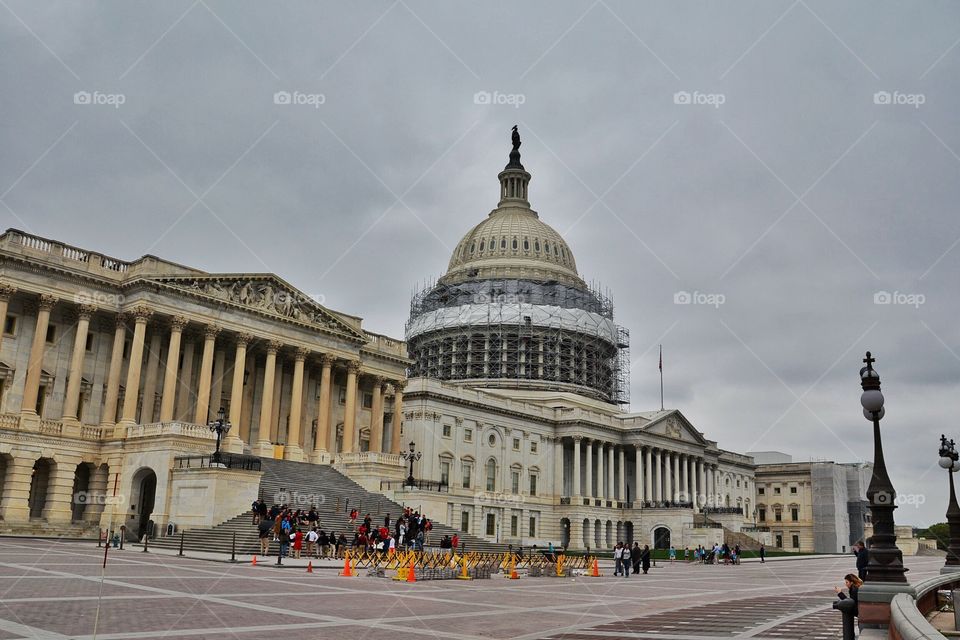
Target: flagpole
{"points": [[661, 377]]}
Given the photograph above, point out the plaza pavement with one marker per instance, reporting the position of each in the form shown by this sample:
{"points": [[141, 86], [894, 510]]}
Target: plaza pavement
{"points": [[53, 590]]}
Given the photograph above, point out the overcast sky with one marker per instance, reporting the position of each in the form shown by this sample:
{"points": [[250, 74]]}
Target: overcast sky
{"points": [[785, 161]]}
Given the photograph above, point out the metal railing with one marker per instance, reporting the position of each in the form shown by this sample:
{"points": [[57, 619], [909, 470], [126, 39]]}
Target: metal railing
{"points": [[421, 485], [723, 510], [227, 460]]}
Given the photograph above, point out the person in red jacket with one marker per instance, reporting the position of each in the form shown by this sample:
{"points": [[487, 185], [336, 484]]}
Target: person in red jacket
{"points": [[297, 538], [455, 542]]}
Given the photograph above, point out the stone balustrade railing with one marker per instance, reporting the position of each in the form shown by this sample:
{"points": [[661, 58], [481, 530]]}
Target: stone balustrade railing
{"points": [[372, 457], [187, 429], [47, 427]]}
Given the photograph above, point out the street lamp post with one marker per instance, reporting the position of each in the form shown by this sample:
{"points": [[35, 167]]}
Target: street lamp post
{"points": [[950, 460], [221, 427], [411, 456], [886, 560]]}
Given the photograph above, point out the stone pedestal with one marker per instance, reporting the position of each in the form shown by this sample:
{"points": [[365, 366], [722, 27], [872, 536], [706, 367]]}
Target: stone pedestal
{"points": [[232, 444], [293, 452], [262, 448], [320, 457], [874, 606], [205, 497]]}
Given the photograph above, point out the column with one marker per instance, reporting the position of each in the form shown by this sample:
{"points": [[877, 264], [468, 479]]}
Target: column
{"points": [[623, 475], [557, 466], [601, 478], [658, 476], [702, 478], [648, 476], [376, 415], [323, 410], [692, 478], [72, 401], [234, 443], [710, 488], [151, 376], [611, 482], [16, 487], [667, 476], [60, 491], [264, 447], [6, 292], [185, 381], [684, 490], [201, 413], [292, 450], [638, 470], [216, 381], [350, 410], [171, 367], [576, 468], [113, 373], [132, 390], [277, 400], [397, 416], [589, 468], [98, 487], [31, 386]]}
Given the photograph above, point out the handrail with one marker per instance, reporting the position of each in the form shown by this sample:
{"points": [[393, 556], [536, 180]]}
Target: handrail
{"points": [[422, 485], [226, 460]]}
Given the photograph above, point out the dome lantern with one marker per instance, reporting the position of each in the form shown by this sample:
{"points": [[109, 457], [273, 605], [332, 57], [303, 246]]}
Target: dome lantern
{"points": [[514, 178]]}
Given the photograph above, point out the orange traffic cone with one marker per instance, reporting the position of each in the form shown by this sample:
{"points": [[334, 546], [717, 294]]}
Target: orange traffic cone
{"points": [[595, 573], [310, 567], [347, 570], [412, 575], [254, 561]]}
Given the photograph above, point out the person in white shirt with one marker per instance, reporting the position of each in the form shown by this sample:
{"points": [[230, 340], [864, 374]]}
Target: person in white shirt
{"points": [[312, 549]]}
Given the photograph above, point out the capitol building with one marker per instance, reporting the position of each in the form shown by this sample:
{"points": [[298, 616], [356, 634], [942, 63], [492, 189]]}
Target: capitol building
{"points": [[512, 382]]}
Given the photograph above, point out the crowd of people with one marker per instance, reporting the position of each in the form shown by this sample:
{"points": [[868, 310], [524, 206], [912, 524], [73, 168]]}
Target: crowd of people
{"points": [[300, 533]]}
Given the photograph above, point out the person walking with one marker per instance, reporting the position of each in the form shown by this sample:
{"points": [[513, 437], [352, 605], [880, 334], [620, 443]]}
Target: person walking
{"points": [[673, 554], [617, 558], [645, 558], [635, 554], [763, 553], [863, 559]]}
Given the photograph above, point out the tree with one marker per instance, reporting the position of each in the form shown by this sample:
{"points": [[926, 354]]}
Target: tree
{"points": [[939, 532]]}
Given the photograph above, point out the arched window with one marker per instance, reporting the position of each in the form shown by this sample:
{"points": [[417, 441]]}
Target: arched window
{"points": [[482, 245], [473, 246], [491, 475], [515, 244], [503, 242], [536, 246], [526, 244]]}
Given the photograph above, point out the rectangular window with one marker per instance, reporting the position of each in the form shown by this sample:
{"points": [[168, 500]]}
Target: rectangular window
{"points": [[779, 540], [795, 541], [514, 526], [794, 514], [515, 481], [776, 490], [89, 345], [778, 516], [762, 515], [447, 429], [126, 352], [51, 334], [533, 446], [467, 469], [10, 325], [793, 490], [468, 435], [760, 491], [533, 527], [445, 473], [368, 401], [491, 524], [533, 484], [342, 395], [516, 444], [465, 521]]}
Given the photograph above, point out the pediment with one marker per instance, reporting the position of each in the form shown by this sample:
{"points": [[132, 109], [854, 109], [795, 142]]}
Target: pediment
{"points": [[266, 294], [674, 425]]}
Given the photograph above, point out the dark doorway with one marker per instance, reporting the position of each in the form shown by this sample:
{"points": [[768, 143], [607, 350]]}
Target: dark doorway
{"points": [[146, 494], [39, 483], [661, 538]]}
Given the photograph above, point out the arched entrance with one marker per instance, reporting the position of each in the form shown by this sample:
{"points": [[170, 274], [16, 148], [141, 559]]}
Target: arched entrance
{"points": [[81, 491], [564, 533], [145, 493], [597, 534], [586, 532], [661, 538], [628, 528], [609, 534], [39, 483]]}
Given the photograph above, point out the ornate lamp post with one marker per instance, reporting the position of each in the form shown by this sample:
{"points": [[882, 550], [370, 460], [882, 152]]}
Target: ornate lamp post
{"points": [[221, 427], [886, 560], [950, 460], [411, 456]]}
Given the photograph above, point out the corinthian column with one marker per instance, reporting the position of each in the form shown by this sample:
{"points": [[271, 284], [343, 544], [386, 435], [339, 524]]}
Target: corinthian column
{"points": [[292, 450], [132, 391], [397, 415], [109, 416], [350, 410], [72, 401], [264, 447], [234, 443], [376, 415], [323, 410], [171, 368], [200, 415], [576, 468], [31, 385]]}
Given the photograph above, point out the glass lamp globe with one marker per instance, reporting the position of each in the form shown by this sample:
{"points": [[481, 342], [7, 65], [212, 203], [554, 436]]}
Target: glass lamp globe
{"points": [[947, 462], [869, 416], [872, 400]]}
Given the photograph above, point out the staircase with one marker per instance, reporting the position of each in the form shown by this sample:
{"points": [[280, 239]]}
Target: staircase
{"points": [[303, 485]]}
